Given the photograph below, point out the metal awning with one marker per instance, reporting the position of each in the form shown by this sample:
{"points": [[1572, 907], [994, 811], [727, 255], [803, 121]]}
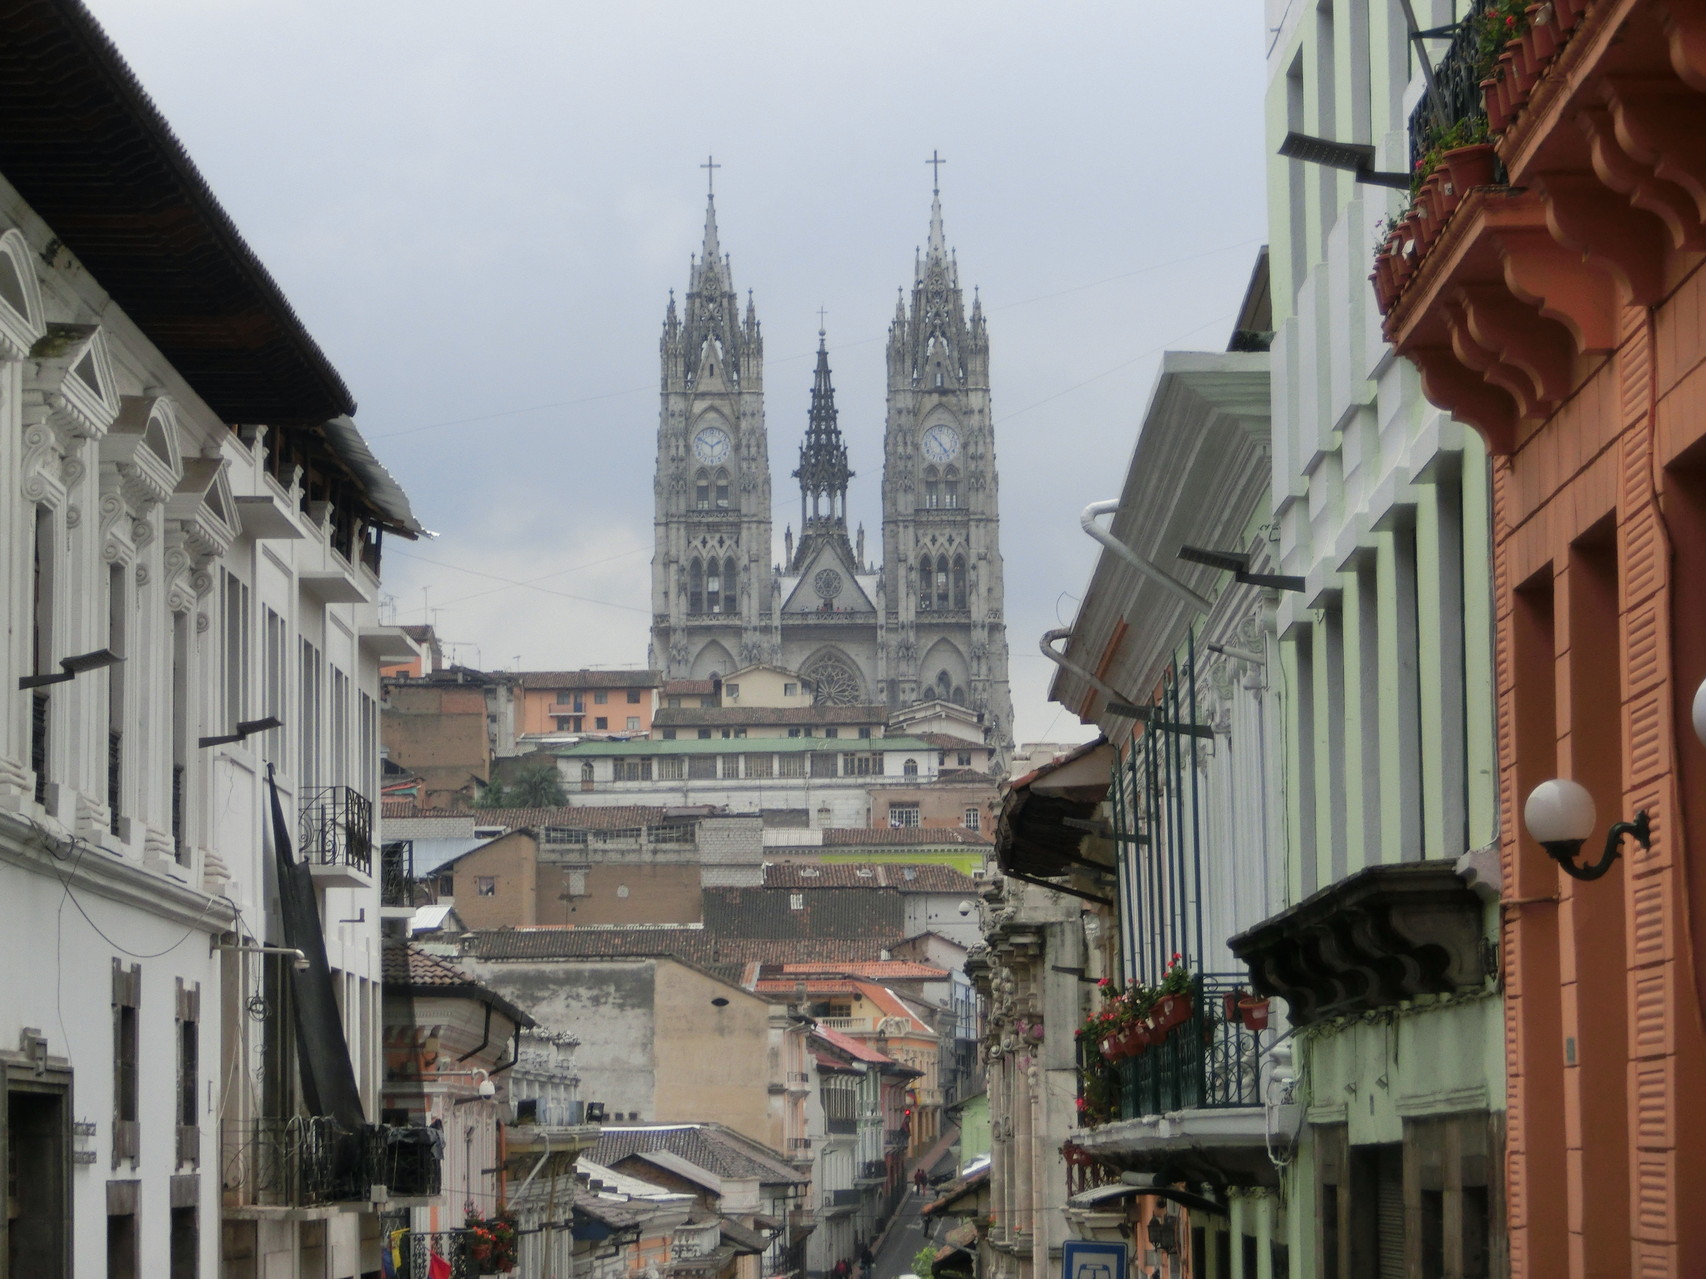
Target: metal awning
{"points": [[1120, 1190]]}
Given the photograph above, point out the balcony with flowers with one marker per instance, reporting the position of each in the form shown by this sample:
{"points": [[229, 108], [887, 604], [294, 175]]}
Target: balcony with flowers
{"points": [[1560, 179], [1174, 1070]]}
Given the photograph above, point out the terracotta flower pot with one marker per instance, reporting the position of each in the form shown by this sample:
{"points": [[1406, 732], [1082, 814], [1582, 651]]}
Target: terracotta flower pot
{"points": [[1496, 118], [1255, 1013], [1380, 280], [1542, 35], [1566, 13], [1171, 1011], [1382, 266], [1471, 167]]}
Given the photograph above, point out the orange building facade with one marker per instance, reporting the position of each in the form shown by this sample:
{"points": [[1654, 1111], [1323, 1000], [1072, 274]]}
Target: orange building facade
{"points": [[1562, 313]]}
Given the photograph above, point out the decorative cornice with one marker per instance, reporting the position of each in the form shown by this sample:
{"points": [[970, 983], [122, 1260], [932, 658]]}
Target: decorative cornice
{"points": [[1374, 939]]}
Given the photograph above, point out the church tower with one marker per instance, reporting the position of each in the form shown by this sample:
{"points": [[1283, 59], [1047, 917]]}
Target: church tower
{"points": [[831, 619], [943, 631], [711, 573]]}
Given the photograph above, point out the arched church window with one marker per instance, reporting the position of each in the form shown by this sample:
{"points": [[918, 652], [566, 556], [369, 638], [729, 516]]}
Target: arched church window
{"points": [[959, 697], [722, 490], [926, 570], [909, 769], [951, 488], [729, 580], [702, 491], [959, 581], [938, 376], [944, 686], [695, 586], [932, 488], [942, 581], [713, 586]]}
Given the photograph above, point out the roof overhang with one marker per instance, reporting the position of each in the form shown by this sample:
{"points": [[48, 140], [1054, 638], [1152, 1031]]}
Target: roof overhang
{"points": [[1199, 472], [1035, 836]]}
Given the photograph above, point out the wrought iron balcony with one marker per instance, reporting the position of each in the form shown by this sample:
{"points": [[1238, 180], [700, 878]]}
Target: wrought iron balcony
{"points": [[315, 1162], [336, 835], [397, 875], [453, 1247], [1455, 94], [873, 1170], [1208, 1061]]}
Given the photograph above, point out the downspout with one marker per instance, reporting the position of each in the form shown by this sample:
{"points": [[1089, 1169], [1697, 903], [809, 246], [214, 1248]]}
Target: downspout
{"points": [[1162, 579], [1048, 649]]}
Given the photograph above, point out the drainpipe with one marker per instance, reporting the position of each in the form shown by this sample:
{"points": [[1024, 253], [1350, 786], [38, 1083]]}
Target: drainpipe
{"points": [[1162, 579], [1049, 651]]}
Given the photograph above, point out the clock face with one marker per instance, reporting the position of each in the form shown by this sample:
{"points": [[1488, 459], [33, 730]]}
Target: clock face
{"points": [[941, 442], [711, 445]]}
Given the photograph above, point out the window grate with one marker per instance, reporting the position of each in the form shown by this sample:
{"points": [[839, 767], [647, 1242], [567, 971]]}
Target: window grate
{"points": [[38, 743]]}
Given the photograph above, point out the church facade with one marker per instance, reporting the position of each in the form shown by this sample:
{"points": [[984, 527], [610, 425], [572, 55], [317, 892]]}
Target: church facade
{"points": [[924, 621]]}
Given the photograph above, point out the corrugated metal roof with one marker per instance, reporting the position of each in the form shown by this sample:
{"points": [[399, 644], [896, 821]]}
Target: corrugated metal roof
{"points": [[907, 879], [718, 1150], [878, 913], [947, 836], [588, 679]]}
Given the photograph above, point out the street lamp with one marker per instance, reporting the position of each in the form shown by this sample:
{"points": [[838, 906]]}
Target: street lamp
{"points": [[1560, 815]]}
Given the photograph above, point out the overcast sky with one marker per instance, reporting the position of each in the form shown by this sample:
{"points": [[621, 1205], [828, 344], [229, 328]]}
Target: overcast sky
{"points": [[479, 210]]}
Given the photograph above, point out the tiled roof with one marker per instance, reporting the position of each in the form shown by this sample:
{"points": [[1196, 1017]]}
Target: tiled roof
{"points": [[716, 1149], [849, 1045], [851, 836], [833, 912], [589, 679], [406, 968], [675, 716], [908, 879], [688, 687], [948, 742], [879, 970], [691, 945]]}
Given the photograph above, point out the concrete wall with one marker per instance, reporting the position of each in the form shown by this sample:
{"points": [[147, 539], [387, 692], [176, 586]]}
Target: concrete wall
{"points": [[715, 1061], [609, 1004], [509, 864]]}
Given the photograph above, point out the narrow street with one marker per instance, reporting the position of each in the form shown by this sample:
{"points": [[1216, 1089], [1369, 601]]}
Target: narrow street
{"points": [[904, 1238]]}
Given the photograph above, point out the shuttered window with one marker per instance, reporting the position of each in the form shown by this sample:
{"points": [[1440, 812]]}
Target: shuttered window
{"points": [[189, 1072], [127, 1002]]}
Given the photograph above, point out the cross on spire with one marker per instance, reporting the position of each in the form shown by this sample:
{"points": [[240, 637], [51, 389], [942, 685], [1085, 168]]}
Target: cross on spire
{"points": [[710, 166], [821, 312], [935, 162]]}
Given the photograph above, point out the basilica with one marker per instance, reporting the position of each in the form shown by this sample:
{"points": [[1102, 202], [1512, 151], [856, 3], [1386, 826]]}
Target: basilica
{"points": [[923, 623]]}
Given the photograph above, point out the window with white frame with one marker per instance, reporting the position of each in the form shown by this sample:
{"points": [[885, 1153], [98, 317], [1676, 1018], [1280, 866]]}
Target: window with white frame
{"points": [[974, 819], [903, 815]]}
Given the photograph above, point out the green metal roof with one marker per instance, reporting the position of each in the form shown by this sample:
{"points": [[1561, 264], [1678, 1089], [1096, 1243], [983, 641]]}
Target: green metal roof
{"points": [[750, 746]]}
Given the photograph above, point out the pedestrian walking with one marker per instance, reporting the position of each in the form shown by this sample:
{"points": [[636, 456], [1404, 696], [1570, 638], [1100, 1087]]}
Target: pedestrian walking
{"points": [[920, 1180]]}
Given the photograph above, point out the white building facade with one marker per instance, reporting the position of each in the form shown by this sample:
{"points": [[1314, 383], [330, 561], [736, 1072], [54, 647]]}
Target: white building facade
{"points": [[189, 601]]}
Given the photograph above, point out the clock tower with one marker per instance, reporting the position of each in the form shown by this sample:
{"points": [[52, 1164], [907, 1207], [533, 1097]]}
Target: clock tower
{"points": [[943, 633], [711, 570]]}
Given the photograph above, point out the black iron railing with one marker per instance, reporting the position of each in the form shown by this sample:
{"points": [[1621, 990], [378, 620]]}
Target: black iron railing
{"points": [[336, 828], [310, 1162], [1456, 92], [38, 742], [1211, 1060], [115, 777], [397, 873], [453, 1247], [873, 1170]]}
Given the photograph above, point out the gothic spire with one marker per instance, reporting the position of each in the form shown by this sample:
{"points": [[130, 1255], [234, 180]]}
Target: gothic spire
{"points": [[823, 472]]}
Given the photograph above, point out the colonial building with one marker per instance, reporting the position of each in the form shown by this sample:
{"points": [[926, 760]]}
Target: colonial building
{"points": [[190, 539], [924, 622]]}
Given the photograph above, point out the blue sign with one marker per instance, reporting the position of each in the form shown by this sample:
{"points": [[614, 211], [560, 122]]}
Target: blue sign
{"points": [[1089, 1259]]}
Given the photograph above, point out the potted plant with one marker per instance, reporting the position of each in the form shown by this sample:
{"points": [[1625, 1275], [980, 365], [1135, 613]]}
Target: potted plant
{"points": [[1173, 997], [492, 1241], [1253, 1011]]}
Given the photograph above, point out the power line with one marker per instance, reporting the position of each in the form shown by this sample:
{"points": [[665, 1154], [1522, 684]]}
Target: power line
{"points": [[510, 581], [806, 355]]}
